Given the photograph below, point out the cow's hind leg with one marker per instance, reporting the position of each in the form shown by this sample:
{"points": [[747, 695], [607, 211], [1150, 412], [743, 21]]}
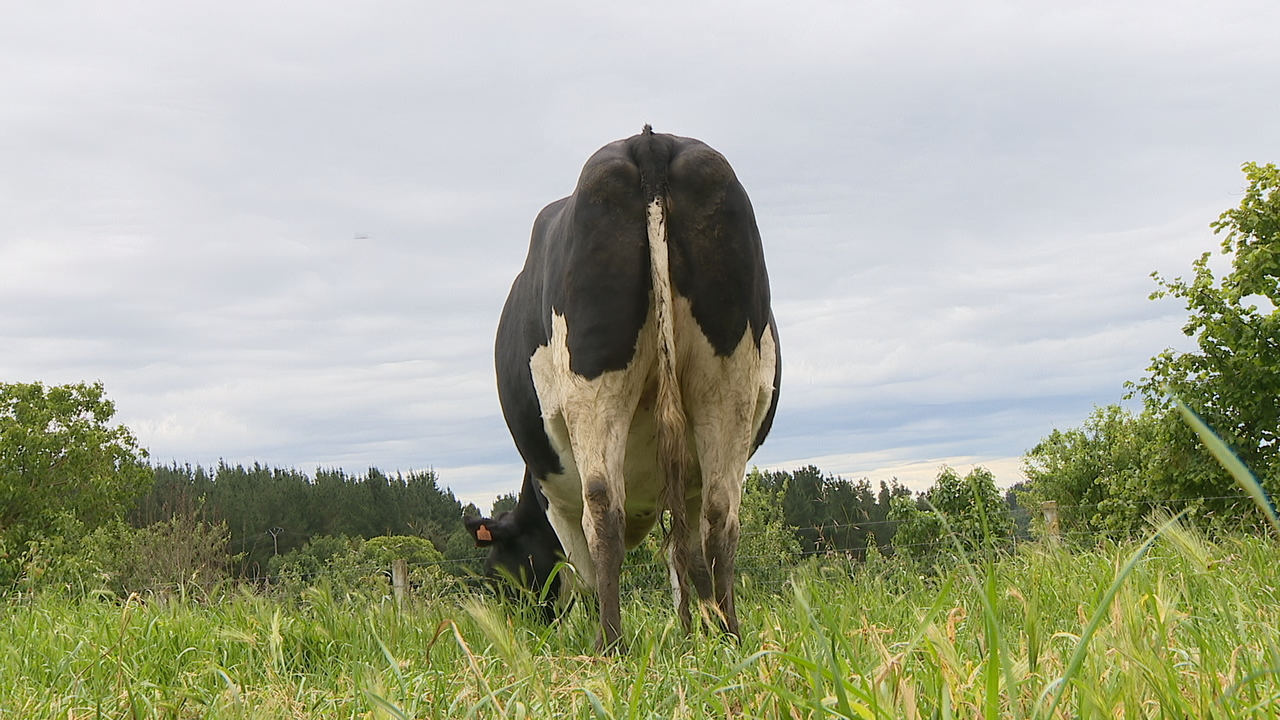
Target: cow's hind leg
{"points": [[723, 446], [699, 574], [719, 524], [603, 521], [723, 396], [599, 448]]}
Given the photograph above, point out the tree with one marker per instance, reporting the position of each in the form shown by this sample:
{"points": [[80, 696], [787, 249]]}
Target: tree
{"points": [[802, 505], [1233, 377], [503, 503], [1019, 513], [353, 564], [273, 511], [829, 513], [64, 469], [765, 539], [1109, 474], [1101, 474], [972, 506]]}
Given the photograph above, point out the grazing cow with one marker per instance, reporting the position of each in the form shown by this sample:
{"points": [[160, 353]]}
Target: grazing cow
{"points": [[523, 546], [638, 370]]}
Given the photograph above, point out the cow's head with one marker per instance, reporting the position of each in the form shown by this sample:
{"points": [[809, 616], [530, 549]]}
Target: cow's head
{"points": [[523, 549]]}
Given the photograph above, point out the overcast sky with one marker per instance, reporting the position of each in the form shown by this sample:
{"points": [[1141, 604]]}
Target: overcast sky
{"points": [[283, 232]]}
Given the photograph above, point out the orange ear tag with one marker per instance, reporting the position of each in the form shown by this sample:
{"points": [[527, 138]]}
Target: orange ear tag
{"points": [[482, 533]]}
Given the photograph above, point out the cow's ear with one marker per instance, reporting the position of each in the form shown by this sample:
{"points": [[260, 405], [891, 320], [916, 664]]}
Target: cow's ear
{"points": [[480, 530]]}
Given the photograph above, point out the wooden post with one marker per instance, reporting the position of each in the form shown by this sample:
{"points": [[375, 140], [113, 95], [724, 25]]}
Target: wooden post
{"points": [[399, 579], [1050, 508]]}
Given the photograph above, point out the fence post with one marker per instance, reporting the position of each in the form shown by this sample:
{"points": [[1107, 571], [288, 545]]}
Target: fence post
{"points": [[1050, 508], [399, 579]]}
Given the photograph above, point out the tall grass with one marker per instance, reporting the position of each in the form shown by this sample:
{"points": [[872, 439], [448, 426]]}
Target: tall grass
{"points": [[1193, 630]]}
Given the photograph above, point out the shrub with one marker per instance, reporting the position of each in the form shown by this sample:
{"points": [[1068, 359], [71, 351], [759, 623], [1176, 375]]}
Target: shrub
{"points": [[355, 566], [176, 555], [972, 508]]}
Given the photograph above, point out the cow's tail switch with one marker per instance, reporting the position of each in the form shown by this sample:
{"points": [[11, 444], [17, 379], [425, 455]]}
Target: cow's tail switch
{"points": [[653, 157]]}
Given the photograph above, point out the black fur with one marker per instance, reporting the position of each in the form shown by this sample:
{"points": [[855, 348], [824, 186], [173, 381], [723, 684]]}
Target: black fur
{"points": [[523, 547], [589, 261]]}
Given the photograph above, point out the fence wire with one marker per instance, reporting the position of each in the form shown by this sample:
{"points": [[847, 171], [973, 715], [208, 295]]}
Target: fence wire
{"points": [[464, 574]]}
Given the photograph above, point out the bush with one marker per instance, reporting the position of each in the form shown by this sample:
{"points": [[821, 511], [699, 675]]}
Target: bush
{"points": [[971, 507], [353, 566], [175, 555], [767, 548]]}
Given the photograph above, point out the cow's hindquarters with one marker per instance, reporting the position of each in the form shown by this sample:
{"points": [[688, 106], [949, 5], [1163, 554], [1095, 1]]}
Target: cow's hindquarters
{"points": [[589, 423], [726, 399]]}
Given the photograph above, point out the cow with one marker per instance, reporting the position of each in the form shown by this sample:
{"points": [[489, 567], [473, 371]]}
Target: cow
{"points": [[523, 547], [638, 370]]}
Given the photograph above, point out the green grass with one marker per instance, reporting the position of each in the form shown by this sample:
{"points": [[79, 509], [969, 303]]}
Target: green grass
{"points": [[1187, 628]]}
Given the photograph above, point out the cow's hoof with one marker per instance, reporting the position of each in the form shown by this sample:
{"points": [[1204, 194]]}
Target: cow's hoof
{"points": [[615, 647]]}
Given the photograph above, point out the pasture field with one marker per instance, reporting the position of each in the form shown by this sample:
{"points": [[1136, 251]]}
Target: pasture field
{"points": [[1191, 630]]}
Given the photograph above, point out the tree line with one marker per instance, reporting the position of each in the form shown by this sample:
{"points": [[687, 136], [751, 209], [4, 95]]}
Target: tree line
{"points": [[82, 506], [273, 511]]}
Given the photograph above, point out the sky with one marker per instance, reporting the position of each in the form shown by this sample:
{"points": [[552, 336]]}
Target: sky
{"points": [[282, 232]]}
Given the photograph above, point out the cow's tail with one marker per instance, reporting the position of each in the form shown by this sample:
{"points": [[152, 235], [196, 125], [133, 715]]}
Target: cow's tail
{"points": [[652, 156]]}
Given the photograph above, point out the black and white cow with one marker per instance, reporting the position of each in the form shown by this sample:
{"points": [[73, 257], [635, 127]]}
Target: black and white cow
{"points": [[523, 546], [638, 371]]}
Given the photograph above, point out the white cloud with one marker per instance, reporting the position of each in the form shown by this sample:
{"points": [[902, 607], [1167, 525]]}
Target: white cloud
{"points": [[284, 232]]}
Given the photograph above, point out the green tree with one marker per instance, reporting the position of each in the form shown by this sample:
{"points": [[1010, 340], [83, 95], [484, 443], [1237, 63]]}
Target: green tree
{"points": [[882, 526], [972, 506], [1233, 377], [765, 541], [272, 512], [351, 565], [1110, 473], [1099, 474], [64, 469], [802, 505], [504, 503], [829, 513]]}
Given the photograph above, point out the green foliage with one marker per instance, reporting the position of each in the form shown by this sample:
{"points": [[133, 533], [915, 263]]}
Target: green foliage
{"points": [[349, 565], [919, 529], [272, 511], [1244, 478], [1018, 512], [767, 548], [1101, 473], [383, 550], [181, 553], [504, 503], [1232, 380], [828, 513], [970, 508], [64, 471], [1108, 474]]}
